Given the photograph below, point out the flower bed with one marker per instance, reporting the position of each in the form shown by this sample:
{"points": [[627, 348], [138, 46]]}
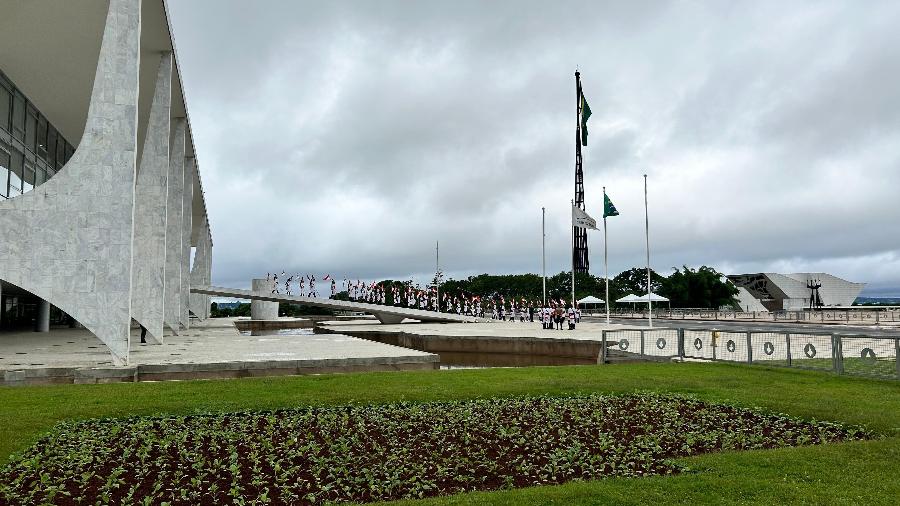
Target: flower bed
{"points": [[405, 450]]}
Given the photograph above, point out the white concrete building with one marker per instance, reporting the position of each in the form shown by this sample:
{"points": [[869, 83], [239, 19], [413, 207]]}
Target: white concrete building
{"points": [[101, 200], [768, 291]]}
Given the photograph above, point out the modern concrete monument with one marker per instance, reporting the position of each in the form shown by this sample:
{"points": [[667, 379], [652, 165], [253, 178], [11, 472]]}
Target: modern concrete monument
{"points": [[769, 291], [103, 231]]}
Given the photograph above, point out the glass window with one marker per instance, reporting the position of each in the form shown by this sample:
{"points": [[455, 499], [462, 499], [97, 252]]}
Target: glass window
{"points": [[4, 174], [40, 176], [69, 152], [51, 145], [17, 167], [42, 137], [18, 117], [5, 107], [28, 179], [31, 122], [60, 153]]}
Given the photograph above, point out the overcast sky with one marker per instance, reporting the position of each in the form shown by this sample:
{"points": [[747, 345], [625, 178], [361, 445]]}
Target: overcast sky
{"points": [[347, 137]]}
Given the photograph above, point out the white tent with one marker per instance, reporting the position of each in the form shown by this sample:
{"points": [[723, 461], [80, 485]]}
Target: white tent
{"points": [[629, 298], [653, 298], [590, 299]]}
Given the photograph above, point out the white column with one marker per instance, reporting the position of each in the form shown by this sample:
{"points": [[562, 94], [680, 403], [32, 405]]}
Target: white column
{"points": [[174, 210], [148, 276], [260, 309], [42, 322], [187, 213], [77, 253]]}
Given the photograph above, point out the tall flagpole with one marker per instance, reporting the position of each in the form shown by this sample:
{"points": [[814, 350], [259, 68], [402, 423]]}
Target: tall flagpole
{"points": [[437, 270], [573, 253], [605, 256], [544, 253], [647, 235]]}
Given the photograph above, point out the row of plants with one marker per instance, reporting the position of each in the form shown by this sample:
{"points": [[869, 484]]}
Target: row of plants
{"points": [[378, 452]]}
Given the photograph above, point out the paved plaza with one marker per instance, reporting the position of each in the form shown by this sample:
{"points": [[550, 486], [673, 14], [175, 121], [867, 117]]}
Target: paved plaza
{"points": [[207, 347]]}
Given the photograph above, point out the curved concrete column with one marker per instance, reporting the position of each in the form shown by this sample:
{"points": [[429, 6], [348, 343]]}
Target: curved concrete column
{"points": [[201, 273], [190, 168], [74, 248], [148, 275], [174, 210]]}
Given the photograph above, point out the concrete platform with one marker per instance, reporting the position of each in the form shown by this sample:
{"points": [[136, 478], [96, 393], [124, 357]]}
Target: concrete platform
{"points": [[210, 349], [491, 337]]}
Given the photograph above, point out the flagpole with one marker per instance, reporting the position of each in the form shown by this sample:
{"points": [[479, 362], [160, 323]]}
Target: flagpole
{"points": [[437, 270], [605, 256], [647, 235], [573, 253], [544, 253]]}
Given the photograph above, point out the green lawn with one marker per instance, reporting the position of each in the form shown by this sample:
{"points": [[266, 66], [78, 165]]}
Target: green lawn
{"points": [[848, 473]]}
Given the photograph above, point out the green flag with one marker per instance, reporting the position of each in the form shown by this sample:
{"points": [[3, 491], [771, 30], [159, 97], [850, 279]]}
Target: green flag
{"points": [[585, 114], [608, 208]]}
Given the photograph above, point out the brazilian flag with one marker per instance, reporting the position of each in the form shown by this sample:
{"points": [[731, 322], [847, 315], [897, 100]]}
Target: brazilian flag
{"points": [[585, 114], [608, 208]]}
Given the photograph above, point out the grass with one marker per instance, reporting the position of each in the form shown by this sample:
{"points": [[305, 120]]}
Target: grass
{"points": [[848, 473]]}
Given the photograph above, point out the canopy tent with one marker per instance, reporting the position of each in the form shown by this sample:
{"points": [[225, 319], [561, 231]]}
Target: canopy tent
{"points": [[653, 298], [641, 299], [590, 302]]}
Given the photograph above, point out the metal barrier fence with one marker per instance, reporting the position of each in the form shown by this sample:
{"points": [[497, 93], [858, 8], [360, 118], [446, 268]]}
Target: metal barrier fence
{"points": [[863, 316], [841, 353]]}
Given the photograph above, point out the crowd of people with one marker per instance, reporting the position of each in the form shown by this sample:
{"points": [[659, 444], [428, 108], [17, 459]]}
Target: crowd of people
{"points": [[551, 315]]}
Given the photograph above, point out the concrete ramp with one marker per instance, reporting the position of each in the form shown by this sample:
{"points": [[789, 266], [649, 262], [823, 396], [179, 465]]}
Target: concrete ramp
{"points": [[385, 314]]}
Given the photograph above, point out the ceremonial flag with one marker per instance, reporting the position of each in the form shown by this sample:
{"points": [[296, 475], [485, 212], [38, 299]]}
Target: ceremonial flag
{"points": [[582, 219], [585, 114], [608, 208]]}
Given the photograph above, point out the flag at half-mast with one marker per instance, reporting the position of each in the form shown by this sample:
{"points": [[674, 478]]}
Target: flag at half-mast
{"points": [[608, 208], [582, 219]]}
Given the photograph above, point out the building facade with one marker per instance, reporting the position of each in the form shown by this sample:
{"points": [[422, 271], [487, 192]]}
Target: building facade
{"points": [[102, 209], [769, 291]]}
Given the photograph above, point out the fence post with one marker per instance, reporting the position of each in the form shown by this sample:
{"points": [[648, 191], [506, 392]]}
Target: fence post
{"points": [[897, 356], [787, 338], [603, 348], [749, 347], [681, 343], [877, 317], [714, 341], [837, 354], [642, 343]]}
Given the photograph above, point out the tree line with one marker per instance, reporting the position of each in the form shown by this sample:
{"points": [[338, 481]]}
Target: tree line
{"points": [[685, 288]]}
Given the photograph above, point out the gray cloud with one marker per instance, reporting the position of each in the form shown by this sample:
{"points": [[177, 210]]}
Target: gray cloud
{"points": [[346, 137]]}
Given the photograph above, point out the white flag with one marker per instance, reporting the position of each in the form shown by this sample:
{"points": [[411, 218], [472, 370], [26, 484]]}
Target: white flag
{"points": [[582, 220]]}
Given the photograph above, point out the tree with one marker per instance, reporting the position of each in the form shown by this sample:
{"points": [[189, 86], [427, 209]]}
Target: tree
{"points": [[701, 288], [634, 281]]}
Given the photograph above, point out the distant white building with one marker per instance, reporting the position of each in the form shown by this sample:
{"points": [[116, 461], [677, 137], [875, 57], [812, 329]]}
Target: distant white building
{"points": [[769, 291]]}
